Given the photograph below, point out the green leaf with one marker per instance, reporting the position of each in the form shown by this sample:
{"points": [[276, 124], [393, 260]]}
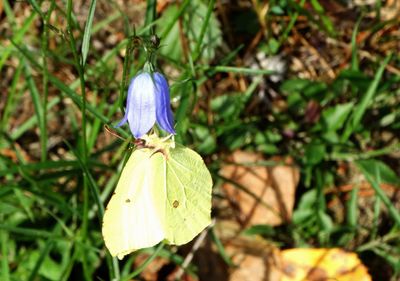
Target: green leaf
{"points": [[260, 229], [356, 78], [308, 200], [228, 107], [306, 208], [277, 10], [302, 216], [325, 220], [333, 118], [202, 40], [314, 153], [206, 141], [171, 42], [376, 167]]}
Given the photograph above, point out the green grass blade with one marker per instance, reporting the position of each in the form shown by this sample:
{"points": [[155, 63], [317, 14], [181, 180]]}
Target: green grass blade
{"points": [[30, 232], [197, 50], [179, 12], [367, 98], [36, 7], [38, 110], [150, 16], [45, 80], [377, 214], [9, 13], [87, 32], [220, 248], [373, 179], [352, 210], [77, 99], [10, 98], [5, 269], [240, 70], [354, 58], [141, 267], [365, 101], [17, 38], [114, 265], [46, 250]]}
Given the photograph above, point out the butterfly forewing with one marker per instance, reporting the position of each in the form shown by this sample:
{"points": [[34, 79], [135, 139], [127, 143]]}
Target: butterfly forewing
{"points": [[135, 215]]}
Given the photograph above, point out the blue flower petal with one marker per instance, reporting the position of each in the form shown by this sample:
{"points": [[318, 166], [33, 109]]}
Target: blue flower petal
{"points": [[125, 119], [141, 105], [164, 116]]}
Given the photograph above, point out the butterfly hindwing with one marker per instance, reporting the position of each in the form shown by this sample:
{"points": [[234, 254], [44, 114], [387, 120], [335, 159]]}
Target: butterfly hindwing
{"points": [[188, 194]]}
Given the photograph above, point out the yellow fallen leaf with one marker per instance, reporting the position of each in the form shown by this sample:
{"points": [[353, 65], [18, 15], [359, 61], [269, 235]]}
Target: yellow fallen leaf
{"points": [[322, 264]]}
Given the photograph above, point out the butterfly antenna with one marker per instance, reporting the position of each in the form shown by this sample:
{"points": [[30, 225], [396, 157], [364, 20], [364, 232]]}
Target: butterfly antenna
{"points": [[110, 131], [170, 136]]}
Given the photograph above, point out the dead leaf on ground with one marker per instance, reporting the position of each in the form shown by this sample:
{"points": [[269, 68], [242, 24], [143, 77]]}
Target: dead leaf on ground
{"points": [[272, 187], [322, 264], [161, 268], [151, 271], [255, 259]]}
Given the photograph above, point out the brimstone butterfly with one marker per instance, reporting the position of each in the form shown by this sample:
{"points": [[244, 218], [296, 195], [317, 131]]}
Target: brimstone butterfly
{"points": [[164, 193]]}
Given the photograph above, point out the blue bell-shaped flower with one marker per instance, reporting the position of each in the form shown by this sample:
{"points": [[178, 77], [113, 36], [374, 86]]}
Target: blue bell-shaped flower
{"points": [[148, 102]]}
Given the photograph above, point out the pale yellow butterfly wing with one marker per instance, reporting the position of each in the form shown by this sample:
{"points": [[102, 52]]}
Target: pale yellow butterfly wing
{"points": [[189, 186], [163, 193], [135, 215]]}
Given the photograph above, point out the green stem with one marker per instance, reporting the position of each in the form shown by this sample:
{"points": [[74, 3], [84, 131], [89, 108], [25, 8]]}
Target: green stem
{"points": [[150, 15], [45, 81], [146, 262], [293, 19], [84, 152], [125, 72]]}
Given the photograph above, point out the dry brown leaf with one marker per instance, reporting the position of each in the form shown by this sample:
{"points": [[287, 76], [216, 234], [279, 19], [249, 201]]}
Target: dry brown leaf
{"points": [[9, 153], [162, 5], [273, 189], [161, 268], [255, 260], [151, 271], [321, 265], [391, 10]]}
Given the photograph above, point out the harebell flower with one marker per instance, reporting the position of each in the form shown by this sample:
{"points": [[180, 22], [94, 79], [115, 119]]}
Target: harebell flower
{"points": [[148, 102]]}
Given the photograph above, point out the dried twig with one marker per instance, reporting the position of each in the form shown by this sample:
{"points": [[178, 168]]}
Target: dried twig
{"points": [[196, 246]]}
